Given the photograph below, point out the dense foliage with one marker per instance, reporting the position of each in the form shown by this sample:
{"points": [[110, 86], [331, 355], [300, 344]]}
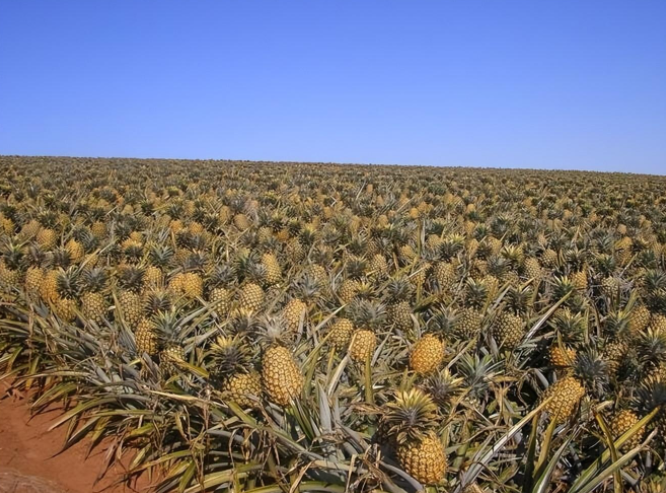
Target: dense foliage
{"points": [[246, 326]]}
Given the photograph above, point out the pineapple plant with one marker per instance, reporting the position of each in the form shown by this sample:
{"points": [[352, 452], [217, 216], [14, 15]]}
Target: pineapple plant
{"points": [[410, 422], [281, 377], [131, 283], [93, 301], [427, 354]]}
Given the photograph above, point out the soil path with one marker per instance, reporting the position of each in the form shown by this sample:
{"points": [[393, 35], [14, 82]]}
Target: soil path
{"points": [[29, 459]]}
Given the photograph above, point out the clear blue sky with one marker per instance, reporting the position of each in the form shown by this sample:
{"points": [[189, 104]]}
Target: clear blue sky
{"points": [[533, 83]]}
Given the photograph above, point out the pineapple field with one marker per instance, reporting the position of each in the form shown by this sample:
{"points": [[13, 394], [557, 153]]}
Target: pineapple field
{"points": [[305, 327]]}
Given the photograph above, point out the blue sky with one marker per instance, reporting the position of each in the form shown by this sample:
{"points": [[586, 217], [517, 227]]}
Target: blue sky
{"points": [[540, 84]]}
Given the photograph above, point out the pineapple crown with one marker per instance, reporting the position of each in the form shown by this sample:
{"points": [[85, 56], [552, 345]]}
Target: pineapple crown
{"points": [[411, 416], [476, 293], [562, 286], [355, 267], [94, 280], [651, 394], [519, 300], [651, 347], [156, 302], [399, 289], [160, 255], [443, 387], [307, 287], [606, 264], [230, 356], [477, 373], [168, 327], [247, 265], [366, 314], [591, 369], [617, 324], [131, 278], [60, 257], [442, 321], [451, 246], [273, 331], [220, 277], [571, 326], [12, 255], [68, 282]]}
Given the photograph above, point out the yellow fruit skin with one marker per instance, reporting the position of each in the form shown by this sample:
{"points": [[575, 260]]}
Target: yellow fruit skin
{"points": [[33, 280], [425, 460], [273, 273], [293, 311], [362, 345], [401, 315], [220, 299], [93, 307], [621, 423], [561, 357], [281, 377], [146, 339], [243, 388], [131, 305], [508, 330], [348, 290], [251, 297], [340, 333], [566, 395], [427, 355]]}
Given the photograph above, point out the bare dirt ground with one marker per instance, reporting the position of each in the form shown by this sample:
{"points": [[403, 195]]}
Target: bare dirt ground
{"points": [[30, 461]]}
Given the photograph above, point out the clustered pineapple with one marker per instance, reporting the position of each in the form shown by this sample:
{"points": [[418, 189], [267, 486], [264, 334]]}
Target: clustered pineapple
{"points": [[338, 306]]}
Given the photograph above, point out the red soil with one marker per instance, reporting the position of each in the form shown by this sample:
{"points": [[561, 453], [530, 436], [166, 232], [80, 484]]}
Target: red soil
{"points": [[28, 449]]}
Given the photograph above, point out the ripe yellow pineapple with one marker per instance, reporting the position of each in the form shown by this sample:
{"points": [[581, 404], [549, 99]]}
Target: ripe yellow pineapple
{"points": [[281, 377], [445, 275], [33, 280], [340, 333], [409, 425], [293, 311], [93, 306], [567, 394], [508, 330], [639, 319], [348, 290], [244, 388], [251, 297], [46, 238], [146, 337], [427, 354], [272, 269], [424, 459], [75, 249], [220, 299], [623, 421], [579, 280], [561, 356], [400, 314], [362, 345]]}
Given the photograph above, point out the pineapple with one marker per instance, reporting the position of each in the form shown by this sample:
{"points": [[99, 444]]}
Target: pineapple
{"points": [[444, 274], [131, 283], [251, 297], [145, 336], [566, 395], [367, 317], [281, 377], [93, 303], [400, 310], [244, 388], [509, 327], [427, 354], [340, 333], [410, 423], [272, 269], [348, 290], [293, 312], [168, 330], [622, 422], [34, 277]]}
